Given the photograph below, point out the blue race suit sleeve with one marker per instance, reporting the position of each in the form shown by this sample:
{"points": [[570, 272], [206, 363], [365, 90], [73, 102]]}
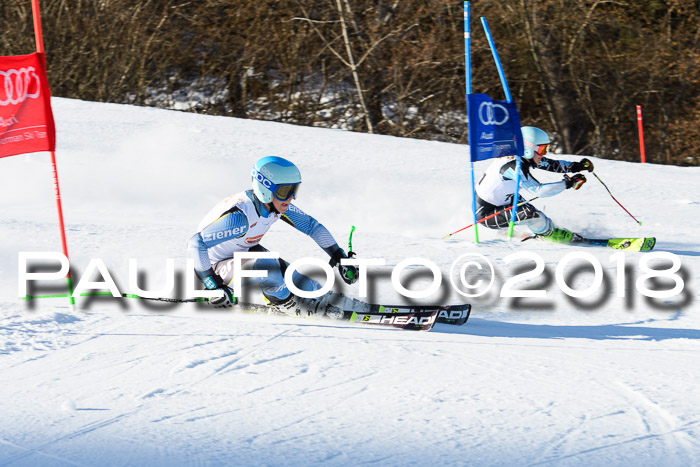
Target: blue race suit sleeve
{"points": [[311, 227], [232, 224]]}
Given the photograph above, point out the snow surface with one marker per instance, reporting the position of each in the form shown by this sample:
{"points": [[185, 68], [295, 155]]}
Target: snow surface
{"points": [[603, 380]]}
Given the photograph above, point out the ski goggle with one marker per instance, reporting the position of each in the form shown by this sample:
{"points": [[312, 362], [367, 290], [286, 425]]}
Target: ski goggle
{"points": [[282, 192], [540, 149]]}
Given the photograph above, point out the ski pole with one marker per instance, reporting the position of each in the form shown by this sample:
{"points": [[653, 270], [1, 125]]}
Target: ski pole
{"points": [[492, 215], [124, 295], [611, 195], [350, 252]]}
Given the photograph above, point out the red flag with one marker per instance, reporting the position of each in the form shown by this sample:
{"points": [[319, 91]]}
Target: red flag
{"points": [[26, 120]]}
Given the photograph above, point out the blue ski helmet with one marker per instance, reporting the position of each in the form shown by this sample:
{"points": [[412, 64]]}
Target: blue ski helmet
{"points": [[535, 141], [275, 177]]}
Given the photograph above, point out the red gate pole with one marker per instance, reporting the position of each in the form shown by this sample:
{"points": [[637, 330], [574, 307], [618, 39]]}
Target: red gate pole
{"points": [[641, 133], [39, 39]]}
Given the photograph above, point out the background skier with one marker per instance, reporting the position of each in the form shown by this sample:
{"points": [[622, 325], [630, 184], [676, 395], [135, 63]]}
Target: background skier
{"points": [[496, 189], [239, 222]]}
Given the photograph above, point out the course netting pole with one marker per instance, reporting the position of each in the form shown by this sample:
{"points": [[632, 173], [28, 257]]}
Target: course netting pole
{"points": [[39, 39], [641, 133]]}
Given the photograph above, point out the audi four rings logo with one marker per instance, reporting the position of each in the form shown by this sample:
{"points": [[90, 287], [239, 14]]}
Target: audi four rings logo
{"points": [[487, 113], [18, 85]]}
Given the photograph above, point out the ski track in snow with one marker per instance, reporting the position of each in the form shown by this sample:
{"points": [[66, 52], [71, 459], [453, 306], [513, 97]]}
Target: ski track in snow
{"points": [[605, 380]]}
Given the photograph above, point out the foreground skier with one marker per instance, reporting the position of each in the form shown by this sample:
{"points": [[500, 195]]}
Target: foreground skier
{"points": [[239, 223], [496, 189]]}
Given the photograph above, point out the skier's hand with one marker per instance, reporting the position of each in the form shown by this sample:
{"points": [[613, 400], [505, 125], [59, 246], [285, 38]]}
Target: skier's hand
{"points": [[574, 182], [215, 282], [349, 274], [583, 164], [227, 301]]}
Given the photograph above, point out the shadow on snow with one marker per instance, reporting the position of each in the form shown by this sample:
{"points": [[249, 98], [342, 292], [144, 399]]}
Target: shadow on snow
{"points": [[488, 328]]}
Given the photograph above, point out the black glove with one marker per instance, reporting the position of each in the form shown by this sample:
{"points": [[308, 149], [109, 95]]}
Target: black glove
{"points": [[227, 301], [349, 274], [574, 182], [214, 282], [584, 164]]}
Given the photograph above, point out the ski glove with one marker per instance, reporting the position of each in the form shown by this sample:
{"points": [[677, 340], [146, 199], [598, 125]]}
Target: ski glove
{"points": [[227, 301], [574, 182], [584, 164], [349, 274], [216, 283]]}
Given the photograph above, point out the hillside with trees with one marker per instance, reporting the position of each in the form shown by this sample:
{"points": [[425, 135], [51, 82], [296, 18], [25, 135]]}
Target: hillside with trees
{"points": [[576, 68]]}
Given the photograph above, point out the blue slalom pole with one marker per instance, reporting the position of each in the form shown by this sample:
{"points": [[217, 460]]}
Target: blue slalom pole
{"points": [[468, 73], [501, 74], [509, 99]]}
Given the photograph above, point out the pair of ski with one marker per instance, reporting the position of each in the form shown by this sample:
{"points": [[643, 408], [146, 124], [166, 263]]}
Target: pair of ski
{"points": [[627, 244], [411, 317]]}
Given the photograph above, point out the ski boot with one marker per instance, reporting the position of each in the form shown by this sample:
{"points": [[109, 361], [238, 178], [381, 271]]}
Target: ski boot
{"points": [[343, 307], [308, 307]]}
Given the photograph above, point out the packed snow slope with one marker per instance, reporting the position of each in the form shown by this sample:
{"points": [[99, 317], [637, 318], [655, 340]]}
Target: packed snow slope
{"points": [[610, 379]]}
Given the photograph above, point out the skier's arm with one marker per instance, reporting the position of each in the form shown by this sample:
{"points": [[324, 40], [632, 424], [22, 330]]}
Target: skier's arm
{"points": [[530, 184], [323, 238], [232, 224], [554, 165], [311, 227], [542, 190], [558, 166]]}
